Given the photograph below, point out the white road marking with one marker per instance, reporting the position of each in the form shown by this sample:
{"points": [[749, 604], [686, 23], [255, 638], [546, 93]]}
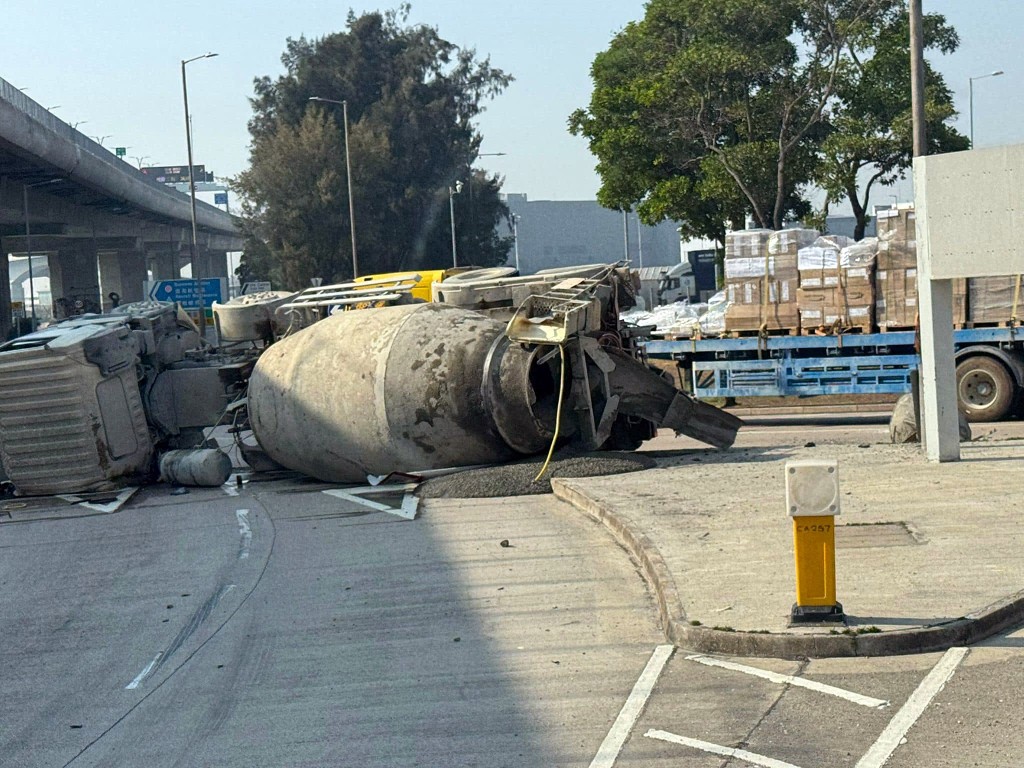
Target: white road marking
{"points": [[111, 506], [623, 725], [143, 674], [919, 700], [245, 531], [232, 486], [346, 496], [856, 698], [408, 510], [715, 749]]}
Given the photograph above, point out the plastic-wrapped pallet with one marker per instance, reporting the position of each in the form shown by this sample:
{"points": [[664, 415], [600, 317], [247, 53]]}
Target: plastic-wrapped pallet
{"points": [[818, 263], [761, 279], [995, 300], [836, 291], [897, 237], [896, 272]]}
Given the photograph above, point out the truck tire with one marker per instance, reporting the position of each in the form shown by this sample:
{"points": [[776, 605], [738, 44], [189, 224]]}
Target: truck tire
{"points": [[985, 389]]}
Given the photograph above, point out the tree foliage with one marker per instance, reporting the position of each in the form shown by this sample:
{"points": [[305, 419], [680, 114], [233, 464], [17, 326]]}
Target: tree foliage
{"points": [[411, 99], [703, 112], [870, 139]]}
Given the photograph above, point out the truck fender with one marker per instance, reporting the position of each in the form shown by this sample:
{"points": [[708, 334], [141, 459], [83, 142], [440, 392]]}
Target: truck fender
{"points": [[1012, 360]]}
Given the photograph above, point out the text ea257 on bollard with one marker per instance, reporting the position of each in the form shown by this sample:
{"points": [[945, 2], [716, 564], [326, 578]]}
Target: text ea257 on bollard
{"points": [[812, 500]]}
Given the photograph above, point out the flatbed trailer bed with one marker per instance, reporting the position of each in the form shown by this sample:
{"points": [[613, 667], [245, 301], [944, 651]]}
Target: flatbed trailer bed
{"points": [[990, 366]]}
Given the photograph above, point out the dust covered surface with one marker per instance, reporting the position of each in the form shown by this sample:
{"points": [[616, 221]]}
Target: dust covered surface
{"points": [[517, 479]]}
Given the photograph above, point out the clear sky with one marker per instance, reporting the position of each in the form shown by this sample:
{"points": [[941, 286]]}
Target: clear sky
{"points": [[115, 66]]}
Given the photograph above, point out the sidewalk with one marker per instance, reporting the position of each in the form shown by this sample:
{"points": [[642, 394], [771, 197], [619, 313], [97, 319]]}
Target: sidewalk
{"points": [[928, 555]]}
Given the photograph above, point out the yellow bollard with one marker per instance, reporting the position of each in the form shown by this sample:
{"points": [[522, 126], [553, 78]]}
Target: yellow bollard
{"points": [[812, 499]]}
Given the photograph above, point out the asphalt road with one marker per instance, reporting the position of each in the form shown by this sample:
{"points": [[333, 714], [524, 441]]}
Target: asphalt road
{"points": [[286, 627]]}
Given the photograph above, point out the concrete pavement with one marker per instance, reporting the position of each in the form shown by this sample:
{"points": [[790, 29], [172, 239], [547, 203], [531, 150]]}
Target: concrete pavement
{"points": [[277, 625], [928, 555]]}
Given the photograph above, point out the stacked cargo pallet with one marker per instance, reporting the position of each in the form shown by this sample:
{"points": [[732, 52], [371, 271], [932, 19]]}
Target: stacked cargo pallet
{"points": [[836, 285], [794, 281], [761, 281], [994, 301], [896, 275]]}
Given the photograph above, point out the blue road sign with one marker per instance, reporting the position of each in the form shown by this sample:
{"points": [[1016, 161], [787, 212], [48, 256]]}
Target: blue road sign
{"points": [[186, 292], [220, 198]]}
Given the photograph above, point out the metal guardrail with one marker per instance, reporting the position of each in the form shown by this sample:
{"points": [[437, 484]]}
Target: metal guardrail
{"points": [[354, 293]]}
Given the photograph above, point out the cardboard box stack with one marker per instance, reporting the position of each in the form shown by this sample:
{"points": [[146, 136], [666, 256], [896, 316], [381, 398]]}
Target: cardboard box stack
{"points": [[992, 299], [837, 285], [896, 273], [761, 279]]}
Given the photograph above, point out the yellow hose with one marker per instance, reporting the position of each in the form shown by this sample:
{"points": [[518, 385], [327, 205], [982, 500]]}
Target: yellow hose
{"points": [[558, 414]]}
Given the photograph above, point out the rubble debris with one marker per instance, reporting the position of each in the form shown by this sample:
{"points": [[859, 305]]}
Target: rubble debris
{"points": [[517, 479], [903, 423]]}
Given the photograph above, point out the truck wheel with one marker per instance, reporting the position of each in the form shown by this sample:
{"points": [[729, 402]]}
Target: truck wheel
{"points": [[985, 388]]}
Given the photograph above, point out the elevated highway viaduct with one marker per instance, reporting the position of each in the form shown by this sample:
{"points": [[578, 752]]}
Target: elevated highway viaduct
{"points": [[93, 223]]}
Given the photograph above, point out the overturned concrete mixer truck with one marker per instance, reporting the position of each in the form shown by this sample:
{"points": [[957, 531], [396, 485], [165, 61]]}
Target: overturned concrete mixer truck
{"points": [[496, 367]]}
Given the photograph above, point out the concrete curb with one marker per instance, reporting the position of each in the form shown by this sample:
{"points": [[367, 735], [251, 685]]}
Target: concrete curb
{"points": [[963, 631]]}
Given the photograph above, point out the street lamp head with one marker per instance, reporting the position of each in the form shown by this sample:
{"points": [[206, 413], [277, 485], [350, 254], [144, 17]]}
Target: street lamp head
{"points": [[197, 58], [322, 100], [996, 73], [458, 187]]}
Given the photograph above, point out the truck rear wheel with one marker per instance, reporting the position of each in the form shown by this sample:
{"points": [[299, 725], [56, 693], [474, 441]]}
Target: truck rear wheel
{"points": [[985, 388]]}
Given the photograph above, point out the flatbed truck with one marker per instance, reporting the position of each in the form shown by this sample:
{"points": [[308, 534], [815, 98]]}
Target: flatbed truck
{"points": [[989, 371]]}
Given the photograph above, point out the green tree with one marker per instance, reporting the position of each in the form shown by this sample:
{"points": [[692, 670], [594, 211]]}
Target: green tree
{"points": [[703, 111], [412, 98], [870, 139]]}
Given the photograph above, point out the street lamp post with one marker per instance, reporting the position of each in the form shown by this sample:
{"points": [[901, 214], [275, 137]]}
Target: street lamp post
{"points": [[515, 237], [452, 192], [970, 90], [625, 235], [28, 244], [639, 242], [196, 269], [348, 178]]}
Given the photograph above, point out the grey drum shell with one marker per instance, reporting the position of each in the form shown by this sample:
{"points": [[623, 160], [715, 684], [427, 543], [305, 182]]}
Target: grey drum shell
{"points": [[375, 391]]}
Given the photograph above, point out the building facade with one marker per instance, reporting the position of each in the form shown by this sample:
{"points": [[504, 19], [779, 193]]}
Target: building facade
{"points": [[556, 233]]}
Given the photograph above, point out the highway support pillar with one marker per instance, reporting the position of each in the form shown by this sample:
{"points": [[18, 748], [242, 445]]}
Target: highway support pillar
{"points": [[74, 279], [6, 320], [122, 272], [812, 501], [216, 264]]}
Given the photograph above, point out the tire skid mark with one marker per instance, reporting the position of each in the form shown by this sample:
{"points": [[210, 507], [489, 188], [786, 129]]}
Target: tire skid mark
{"points": [[201, 614]]}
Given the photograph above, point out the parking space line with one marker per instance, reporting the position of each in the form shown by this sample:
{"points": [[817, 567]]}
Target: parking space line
{"points": [[623, 725], [919, 700], [716, 749], [775, 677]]}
